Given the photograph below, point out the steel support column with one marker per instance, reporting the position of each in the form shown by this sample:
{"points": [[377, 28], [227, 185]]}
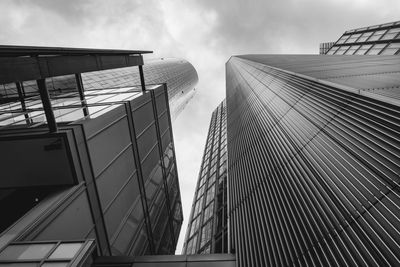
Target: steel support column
{"points": [[48, 110], [79, 84], [142, 83], [21, 96]]}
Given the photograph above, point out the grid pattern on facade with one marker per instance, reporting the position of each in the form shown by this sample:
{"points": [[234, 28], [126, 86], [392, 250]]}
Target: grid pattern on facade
{"points": [[381, 39], [313, 171], [207, 228]]}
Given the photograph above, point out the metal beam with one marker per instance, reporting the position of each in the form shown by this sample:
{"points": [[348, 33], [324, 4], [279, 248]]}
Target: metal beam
{"points": [[79, 84], [21, 95], [17, 69], [142, 83], [48, 110]]}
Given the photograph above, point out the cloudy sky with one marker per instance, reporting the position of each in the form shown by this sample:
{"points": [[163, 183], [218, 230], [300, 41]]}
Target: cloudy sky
{"points": [[205, 32]]}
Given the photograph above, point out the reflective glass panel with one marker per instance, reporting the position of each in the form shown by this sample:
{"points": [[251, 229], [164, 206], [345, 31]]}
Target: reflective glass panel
{"points": [[377, 35], [67, 250], [342, 50], [26, 252], [376, 49], [364, 37], [363, 49]]}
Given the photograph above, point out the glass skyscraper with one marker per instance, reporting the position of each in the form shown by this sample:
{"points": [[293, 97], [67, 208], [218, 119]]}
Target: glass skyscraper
{"points": [[208, 228], [313, 159]]}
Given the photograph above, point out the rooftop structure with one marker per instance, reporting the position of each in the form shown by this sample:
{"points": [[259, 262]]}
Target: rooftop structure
{"points": [[383, 39]]}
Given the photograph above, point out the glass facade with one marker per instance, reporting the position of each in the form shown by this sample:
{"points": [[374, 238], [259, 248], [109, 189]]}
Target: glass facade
{"points": [[207, 229], [107, 174], [381, 39], [313, 167]]}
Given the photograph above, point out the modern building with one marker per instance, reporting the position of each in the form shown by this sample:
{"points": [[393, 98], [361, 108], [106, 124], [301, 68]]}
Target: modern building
{"points": [[383, 39], [313, 159], [89, 172], [313, 162], [324, 47], [208, 229]]}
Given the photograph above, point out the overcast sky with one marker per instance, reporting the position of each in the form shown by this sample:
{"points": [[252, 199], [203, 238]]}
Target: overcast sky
{"points": [[205, 32]]}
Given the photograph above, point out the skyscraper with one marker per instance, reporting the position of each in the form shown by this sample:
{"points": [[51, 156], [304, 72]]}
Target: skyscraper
{"points": [[313, 161], [87, 157], [208, 231]]}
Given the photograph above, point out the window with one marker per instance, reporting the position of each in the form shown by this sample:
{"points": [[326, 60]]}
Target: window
{"points": [[376, 49], [342, 50], [200, 191], [377, 35], [352, 49], [42, 253], [208, 212], [206, 233], [391, 49], [353, 38], [195, 226], [364, 37], [191, 245], [198, 206], [210, 195], [212, 178], [342, 39], [363, 49], [391, 34]]}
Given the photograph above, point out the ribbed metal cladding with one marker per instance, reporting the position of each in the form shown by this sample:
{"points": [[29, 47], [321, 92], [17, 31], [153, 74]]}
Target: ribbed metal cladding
{"points": [[313, 171]]}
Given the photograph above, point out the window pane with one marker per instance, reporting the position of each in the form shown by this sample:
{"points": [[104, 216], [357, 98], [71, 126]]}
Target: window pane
{"points": [[364, 36], [67, 250], [342, 39], [376, 49], [377, 35], [352, 50], [341, 50], [25, 252], [20, 264]]}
